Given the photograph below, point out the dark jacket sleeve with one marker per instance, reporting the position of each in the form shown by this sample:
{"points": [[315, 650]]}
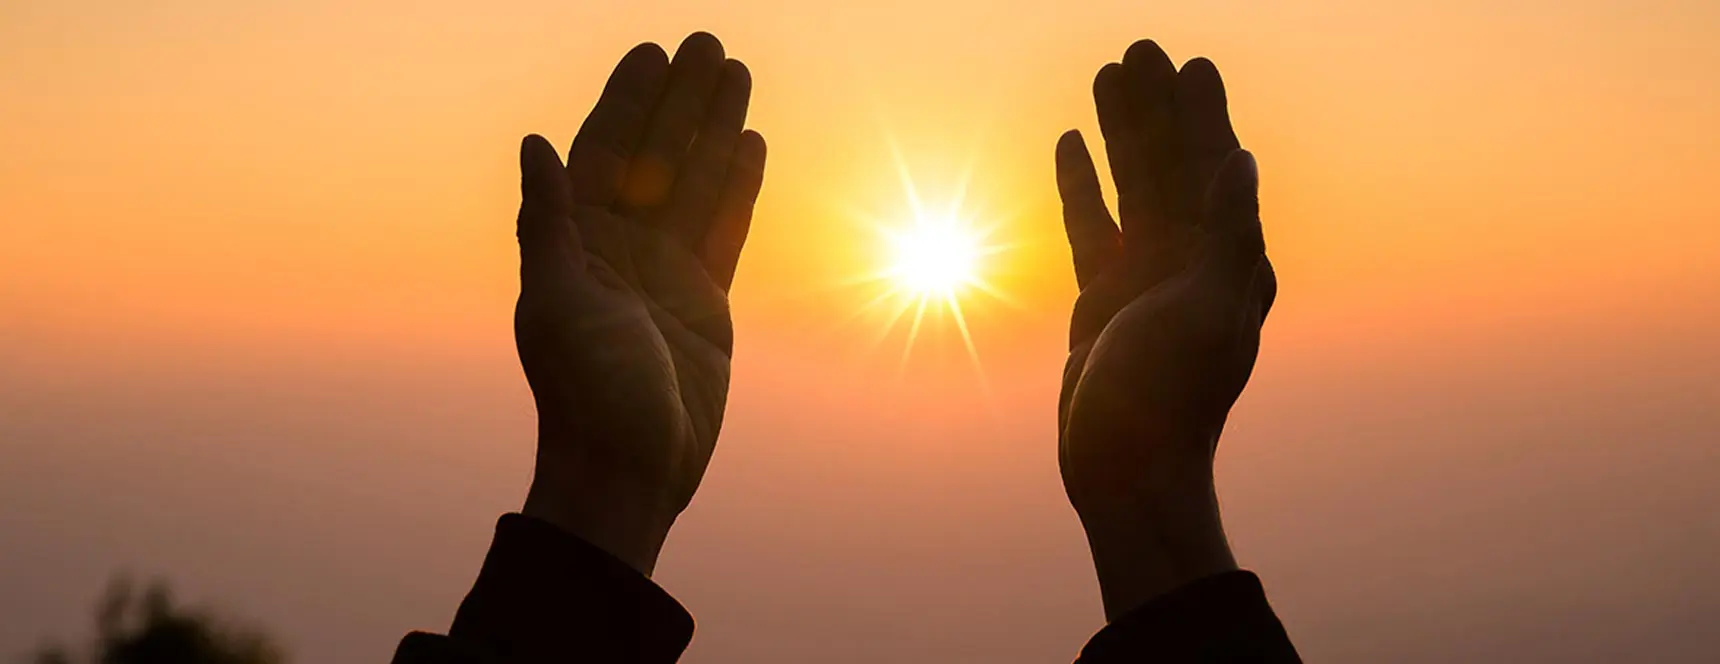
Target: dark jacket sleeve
{"points": [[1222, 618], [546, 596]]}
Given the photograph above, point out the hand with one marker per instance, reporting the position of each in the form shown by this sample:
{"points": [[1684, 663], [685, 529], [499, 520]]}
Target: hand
{"points": [[626, 256], [1167, 325]]}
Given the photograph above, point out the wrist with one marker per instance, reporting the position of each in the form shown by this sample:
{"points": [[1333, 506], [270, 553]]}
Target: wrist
{"points": [[1167, 542], [1165, 535], [628, 534], [613, 511]]}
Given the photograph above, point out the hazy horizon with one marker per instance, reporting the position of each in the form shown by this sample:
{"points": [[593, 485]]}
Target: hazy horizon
{"points": [[257, 269]]}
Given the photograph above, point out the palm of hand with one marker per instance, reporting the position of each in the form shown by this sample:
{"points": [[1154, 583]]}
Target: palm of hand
{"points": [[1166, 328], [632, 352], [627, 254]]}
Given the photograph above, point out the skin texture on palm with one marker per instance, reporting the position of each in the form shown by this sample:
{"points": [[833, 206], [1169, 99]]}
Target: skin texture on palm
{"points": [[626, 255], [1167, 326]]}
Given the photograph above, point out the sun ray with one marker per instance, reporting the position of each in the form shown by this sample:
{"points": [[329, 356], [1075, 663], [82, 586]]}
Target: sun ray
{"points": [[902, 306], [869, 306], [955, 309], [913, 330], [996, 293], [962, 326], [959, 196], [908, 187]]}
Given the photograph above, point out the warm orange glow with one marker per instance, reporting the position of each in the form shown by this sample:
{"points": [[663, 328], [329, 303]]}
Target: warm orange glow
{"points": [[252, 247]]}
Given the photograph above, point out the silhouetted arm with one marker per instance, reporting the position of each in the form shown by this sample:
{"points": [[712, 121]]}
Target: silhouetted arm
{"points": [[1162, 341], [627, 252]]}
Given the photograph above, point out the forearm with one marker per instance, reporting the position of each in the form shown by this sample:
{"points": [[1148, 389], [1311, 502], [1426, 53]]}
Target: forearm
{"points": [[1171, 587], [1150, 547], [598, 503], [1143, 487]]}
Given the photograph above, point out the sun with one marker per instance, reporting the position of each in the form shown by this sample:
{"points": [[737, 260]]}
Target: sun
{"points": [[935, 258], [929, 264], [932, 265]]}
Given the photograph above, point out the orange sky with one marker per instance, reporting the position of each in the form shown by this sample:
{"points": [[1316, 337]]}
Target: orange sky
{"points": [[257, 263]]}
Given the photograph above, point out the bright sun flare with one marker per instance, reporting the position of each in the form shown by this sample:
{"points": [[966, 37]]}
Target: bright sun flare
{"points": [[935, 258], [932, 264], [928, 266]]}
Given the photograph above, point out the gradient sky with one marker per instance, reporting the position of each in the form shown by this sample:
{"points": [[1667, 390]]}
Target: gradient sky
{"points": [[257, 267]]}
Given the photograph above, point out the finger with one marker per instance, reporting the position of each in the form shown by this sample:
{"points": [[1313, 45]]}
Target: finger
{"points": [[1150, 80], [1120, 127], [735, 208], [1204, 113], [1203, 117], [598, 159], [1232, 228], [1093, 236], [700, 181], [548, 244], [693, 76]]}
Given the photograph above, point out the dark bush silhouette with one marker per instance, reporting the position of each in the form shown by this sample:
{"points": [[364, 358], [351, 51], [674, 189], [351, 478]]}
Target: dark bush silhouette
{"points": [[148, 628]]}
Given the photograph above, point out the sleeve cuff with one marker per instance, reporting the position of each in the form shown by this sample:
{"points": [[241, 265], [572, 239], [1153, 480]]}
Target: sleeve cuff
{"points": [[1221, 618], [544, 595]]}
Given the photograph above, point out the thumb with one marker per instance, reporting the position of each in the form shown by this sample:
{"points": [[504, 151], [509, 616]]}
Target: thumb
{"points": [[548, 241]]}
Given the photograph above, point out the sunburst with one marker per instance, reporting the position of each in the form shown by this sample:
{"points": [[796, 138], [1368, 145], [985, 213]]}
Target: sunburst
{"points": [[930, 261]]}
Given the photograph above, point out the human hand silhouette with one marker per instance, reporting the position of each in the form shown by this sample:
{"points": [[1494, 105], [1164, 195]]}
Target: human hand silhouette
{"points": [[622, 324], [1167, 325]]}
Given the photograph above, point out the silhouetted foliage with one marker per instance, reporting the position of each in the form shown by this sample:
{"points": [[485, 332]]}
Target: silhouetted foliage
{"points": [[148, 628]]}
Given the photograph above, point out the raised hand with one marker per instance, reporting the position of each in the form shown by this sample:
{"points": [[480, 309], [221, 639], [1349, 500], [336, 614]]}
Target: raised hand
{"points": [[623, 328], [1167, 325]]}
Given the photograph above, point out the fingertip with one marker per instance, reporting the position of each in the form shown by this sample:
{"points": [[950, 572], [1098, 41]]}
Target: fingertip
{"points": [[639, 73], [1241, 169], [700, 44], [536, 153], [1077, 179], [1199, 65], [1199, 80], [1148, 54], [1070, 140], [752, 146], [536, 141], [746, 171], [1142, 48], [1108, 76], [1236, 187], [735, 72], [529, 144], [646, 53], [1072, 154]]}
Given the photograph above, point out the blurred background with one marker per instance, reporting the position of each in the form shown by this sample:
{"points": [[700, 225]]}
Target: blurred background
{"points": [[257, 268]]}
